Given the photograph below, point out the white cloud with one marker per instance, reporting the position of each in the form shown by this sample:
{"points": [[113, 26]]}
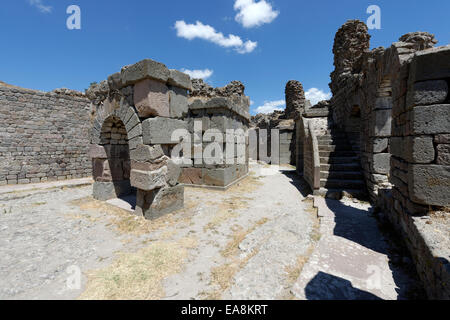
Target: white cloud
{"points": [[199, 74], [316, 95], [271, 106], [254, 14], [40, 5], [208, 33]]}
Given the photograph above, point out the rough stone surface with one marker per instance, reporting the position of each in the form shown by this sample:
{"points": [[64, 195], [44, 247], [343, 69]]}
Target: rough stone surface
{"points": [[295, 99], [146, 153], [44, 136], [109, 190], [160, 130], [178, 100], [151, 98], [145, 69], [429, 184], [430, 92], [381, 163], [148, 181], [180, 79], [431, 119]]}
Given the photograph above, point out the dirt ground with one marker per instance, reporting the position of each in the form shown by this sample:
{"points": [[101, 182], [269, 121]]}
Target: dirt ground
{"points": [[249, 242]]}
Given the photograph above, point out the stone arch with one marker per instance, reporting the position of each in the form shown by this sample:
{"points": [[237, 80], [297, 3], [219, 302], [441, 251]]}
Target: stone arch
{"points": [[117, 130]]}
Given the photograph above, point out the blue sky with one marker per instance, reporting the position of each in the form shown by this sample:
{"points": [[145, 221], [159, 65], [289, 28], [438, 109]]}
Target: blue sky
{"points": [[270, 43]]}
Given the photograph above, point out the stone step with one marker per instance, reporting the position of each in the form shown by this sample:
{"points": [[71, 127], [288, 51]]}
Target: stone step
{"points": [[336, 154], [340, 184], [333, 147], [354, 166], [332, 141], [340, 160], [337, 194], [341, 175]]}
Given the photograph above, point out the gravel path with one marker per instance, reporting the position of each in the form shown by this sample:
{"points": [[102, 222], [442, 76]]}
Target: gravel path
{"points": [[43, 233], [250, 242]]}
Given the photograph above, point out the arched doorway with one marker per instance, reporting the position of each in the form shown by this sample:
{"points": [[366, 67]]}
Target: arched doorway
{"points": [[111, 167]]}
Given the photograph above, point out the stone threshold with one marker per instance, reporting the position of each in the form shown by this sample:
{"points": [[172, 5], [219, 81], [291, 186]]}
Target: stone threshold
{"points": [[204, 186]]}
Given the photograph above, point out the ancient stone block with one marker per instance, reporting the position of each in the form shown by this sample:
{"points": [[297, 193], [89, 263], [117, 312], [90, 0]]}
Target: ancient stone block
{"points": [[382, 123], [151, 98], [443, 156], [380, 145], [180, 79], [133, 122], [109, 190], [97, 152], [383, 103], [145, 69], [147, 166], [163, 201], [148, 180], [429, 184], [135, 142], [381, 163], [146, 153], [100, 170], [173, 173], [430, 119], [430, 65], [413, 149], [219, 177], [430, 92], [442, 138], [160, 130], [178, 101], [191, 176]]}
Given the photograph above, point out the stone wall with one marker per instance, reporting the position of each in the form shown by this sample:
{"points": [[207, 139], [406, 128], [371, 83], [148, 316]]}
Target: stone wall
{"points": [[285, 124], [420, 168], [218, 121], [399, 97], [136, 112], [152, 133], [44, 136]]}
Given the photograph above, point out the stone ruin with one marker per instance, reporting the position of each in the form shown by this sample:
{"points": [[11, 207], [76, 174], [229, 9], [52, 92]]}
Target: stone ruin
{"points": [[138, 111], [385, 133], [284, 124]]}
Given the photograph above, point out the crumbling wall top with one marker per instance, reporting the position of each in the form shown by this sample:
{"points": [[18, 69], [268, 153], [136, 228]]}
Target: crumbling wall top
{"points": [[295, 99]]}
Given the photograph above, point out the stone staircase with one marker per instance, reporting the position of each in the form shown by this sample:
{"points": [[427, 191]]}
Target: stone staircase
{"points": [[340, 168]]}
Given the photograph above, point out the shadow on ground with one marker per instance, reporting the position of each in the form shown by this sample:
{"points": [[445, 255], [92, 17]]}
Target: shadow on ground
{"points": [[298, 181], [363, 228], [325, 286]]}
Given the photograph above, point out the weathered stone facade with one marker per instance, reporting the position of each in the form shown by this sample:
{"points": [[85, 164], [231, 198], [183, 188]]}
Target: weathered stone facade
{"points": [[44, 136], [149, 134], [213, 112], [283, 122], [392, 107]]}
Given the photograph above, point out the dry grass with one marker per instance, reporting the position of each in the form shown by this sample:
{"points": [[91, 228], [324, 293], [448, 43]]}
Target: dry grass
{"points": [[222, 276], [293, 271], [139, 275], [232, 247], [127, 223], [227, 209]]}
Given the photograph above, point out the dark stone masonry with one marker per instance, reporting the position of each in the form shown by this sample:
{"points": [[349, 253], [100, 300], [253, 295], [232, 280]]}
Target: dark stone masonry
{"points": [[44, 136]]}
